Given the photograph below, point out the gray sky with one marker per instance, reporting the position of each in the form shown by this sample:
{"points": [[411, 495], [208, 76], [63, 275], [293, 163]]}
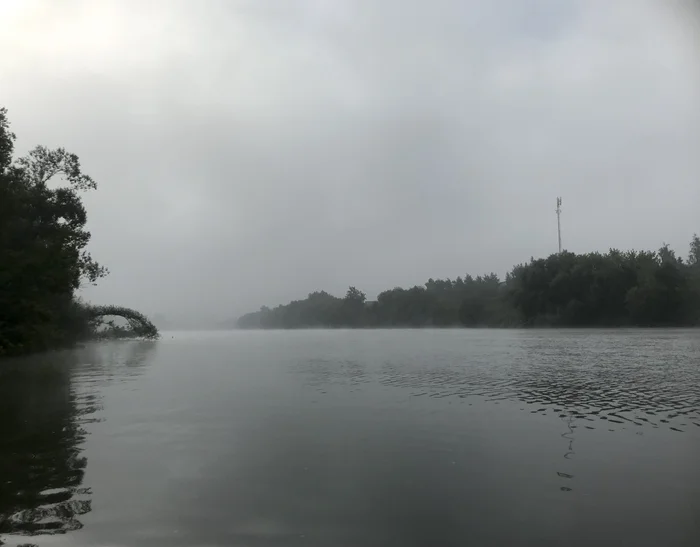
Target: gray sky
{"points": [[249, 152]]}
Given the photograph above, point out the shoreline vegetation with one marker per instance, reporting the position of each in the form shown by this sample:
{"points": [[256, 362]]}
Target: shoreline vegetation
{"points": [[43, 256], [614, 289]]}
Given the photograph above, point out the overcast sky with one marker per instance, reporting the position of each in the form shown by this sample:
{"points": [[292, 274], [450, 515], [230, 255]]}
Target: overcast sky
{"points": [[249, 152]]}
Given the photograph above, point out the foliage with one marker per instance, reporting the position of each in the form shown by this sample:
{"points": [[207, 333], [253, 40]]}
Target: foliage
{"points": [[138, 325], [43, 240], [566, 289]]}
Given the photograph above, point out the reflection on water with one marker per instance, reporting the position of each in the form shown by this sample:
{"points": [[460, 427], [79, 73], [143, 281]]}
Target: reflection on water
{"points": [[638, 381], [46, 402], [366, 438], [632, 383]]}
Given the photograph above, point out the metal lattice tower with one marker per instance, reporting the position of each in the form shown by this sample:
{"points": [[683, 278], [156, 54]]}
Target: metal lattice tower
{"points": [[559, 222]]}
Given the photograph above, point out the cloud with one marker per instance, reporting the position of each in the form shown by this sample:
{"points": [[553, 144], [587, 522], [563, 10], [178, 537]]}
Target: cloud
{"points": [[250, 152]]}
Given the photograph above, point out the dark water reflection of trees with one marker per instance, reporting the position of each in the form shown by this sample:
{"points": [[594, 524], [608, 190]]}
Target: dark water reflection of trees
{"points": [[45, 404]]}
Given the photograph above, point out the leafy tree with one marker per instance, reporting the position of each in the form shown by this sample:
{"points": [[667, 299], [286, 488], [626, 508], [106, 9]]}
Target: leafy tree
{"points": [[693, 302], [694, 256], [43, 240], [355, 295], [7, 141], [612, 289]]}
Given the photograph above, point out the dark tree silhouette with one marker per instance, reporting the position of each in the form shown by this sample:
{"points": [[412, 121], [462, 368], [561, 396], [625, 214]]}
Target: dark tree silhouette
{"points": [[613, 289], [43, 248]]}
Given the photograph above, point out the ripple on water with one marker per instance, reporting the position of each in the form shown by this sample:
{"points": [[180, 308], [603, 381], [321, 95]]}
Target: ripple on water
{"points": [[619, 378]]}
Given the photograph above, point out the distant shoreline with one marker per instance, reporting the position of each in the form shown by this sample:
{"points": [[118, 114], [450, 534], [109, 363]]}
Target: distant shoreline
{"points": [[565, 290], [460, 327]]}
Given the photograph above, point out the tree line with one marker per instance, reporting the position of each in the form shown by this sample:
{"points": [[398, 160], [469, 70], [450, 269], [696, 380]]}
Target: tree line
{"points": [[614, 289], [43, 255]]}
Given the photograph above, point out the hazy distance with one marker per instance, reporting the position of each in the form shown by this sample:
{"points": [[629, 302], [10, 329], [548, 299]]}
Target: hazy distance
{"points": [[251, 152]]}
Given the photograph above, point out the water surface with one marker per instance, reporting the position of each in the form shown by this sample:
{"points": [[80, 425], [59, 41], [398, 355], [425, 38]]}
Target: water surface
{"points": [[353, 438]]}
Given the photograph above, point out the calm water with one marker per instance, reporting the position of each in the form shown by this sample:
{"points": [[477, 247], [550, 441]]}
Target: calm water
{"points": [[354, 438]]}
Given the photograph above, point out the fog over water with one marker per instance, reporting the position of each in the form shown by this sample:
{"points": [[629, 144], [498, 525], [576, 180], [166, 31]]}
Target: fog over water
{"points": [[250, 152]]}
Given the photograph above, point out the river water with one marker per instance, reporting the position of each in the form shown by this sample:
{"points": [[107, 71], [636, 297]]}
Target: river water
{"points": [[356, 438]]}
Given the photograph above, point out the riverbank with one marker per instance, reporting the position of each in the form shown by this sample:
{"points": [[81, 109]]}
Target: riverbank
{"points": [[615, 289]]}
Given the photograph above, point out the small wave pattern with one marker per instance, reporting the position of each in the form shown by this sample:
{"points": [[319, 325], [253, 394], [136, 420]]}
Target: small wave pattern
{"points": [[642, 378], [620, 379]]}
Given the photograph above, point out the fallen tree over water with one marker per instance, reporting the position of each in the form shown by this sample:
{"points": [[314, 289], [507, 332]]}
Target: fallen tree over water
{"points": [[138, 325]]}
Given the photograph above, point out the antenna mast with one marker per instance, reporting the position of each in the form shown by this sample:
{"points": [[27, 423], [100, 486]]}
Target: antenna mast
{"points": [[559, 222]]}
